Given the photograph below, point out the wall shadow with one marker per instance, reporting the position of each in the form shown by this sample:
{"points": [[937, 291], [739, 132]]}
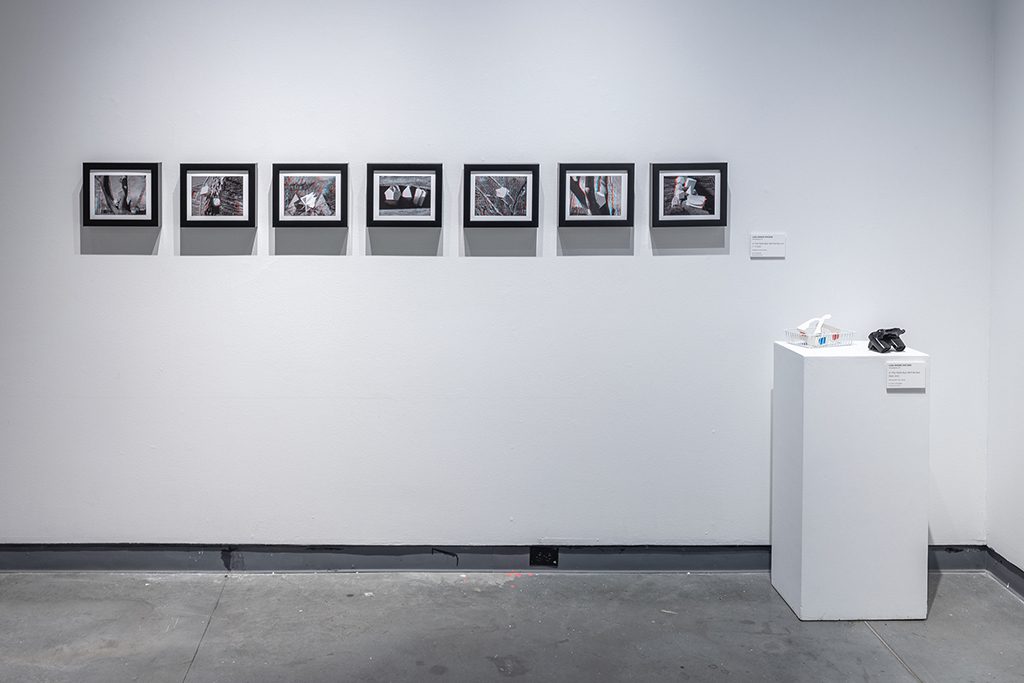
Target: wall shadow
{"points": [[677, 241], [403, 241], [580, 240], [690, 241], [500, 241], [934, 578], [771, 455], [309, 241], [218, 241], [226, 241], [133, 241]]}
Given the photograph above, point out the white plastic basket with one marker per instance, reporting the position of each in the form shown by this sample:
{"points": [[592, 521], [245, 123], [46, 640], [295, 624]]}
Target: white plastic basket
{"points": [[830, 336]]}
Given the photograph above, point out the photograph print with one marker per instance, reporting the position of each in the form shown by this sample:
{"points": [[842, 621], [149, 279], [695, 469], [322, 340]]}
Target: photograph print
{"points": [[403, 195], [121, 194], [310, 195], [218, 195], [689, 195], [595, 194], [503, 195]]}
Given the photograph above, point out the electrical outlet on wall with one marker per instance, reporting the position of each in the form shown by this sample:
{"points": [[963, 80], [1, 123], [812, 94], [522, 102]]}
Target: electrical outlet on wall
{"points": [[543, 556]]}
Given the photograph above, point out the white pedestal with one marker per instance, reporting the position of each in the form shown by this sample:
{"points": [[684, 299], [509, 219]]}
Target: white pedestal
{"points": [[849, 485]]}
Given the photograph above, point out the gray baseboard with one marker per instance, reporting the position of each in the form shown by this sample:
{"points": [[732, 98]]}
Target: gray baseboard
{"points": [[293, 558], [958, 558], [499, 558], [284, 558], [1006, 572], [127, 557]]}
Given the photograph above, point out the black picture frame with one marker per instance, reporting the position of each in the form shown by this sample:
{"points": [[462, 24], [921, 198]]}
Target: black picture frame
{"points": [[375, 196], [566, 193], [717, 171], [531, 202], [279, 204], [247, 201], [102, 206]]}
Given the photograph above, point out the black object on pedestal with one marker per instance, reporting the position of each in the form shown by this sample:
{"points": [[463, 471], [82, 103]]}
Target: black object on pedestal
{"points": [[886, 340]]}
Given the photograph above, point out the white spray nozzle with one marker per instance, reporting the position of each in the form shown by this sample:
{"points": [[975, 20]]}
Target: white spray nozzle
{"points": [[818, 323]]}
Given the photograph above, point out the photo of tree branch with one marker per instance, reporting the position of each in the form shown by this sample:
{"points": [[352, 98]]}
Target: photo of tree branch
{"points": [[595, 195], [119, 195], [217, 195], [500, 195]]}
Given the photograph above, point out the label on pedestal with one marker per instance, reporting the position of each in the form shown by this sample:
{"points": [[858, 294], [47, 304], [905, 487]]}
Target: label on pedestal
{"points": [[906, 374]]}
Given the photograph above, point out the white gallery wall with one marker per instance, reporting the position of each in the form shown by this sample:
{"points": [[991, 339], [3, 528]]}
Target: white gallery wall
{"points": [[1006, 464], [564, 397]]}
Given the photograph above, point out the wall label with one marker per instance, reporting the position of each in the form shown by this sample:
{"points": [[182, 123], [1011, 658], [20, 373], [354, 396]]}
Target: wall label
{"points": [[767, 245], [906, 374]]}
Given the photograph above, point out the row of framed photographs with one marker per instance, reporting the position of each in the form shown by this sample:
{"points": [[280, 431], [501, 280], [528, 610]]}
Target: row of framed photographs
{"points": [[404, 195]]}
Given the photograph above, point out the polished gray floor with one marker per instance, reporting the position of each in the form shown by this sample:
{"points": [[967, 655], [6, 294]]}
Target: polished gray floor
{"points": [[479, 627]]}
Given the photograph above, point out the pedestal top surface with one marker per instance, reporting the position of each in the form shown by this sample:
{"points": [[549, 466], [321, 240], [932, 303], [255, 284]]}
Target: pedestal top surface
{"points": [[859, 349]]}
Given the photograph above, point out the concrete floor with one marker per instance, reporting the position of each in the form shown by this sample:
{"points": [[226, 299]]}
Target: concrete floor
{"points": [[557, 626]]}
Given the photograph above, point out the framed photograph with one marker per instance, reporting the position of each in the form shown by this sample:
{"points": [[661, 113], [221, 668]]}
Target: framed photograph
{"points": [[500, 196], [121, 194], [595, 194], [218, 195], [310, 195], [690, 195], [403, 195]]}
